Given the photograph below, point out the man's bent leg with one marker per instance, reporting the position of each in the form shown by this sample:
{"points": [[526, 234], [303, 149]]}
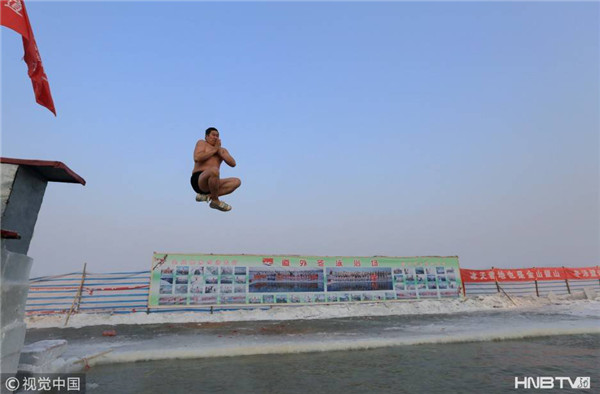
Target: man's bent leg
{"points": [[209, 180], [214, 184], [228, 185]]}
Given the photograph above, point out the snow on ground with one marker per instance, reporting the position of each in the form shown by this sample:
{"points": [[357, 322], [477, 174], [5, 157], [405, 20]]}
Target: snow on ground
{"points": [[589, 301]]}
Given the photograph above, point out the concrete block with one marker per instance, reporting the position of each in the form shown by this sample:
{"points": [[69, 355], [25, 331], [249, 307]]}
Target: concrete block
{"points": [[13, 298], [21, 211], [15, 266], [8, 363], [14, 286], [13, 337]]}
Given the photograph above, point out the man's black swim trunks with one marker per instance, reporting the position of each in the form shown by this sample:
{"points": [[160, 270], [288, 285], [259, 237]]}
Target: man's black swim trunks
{"points": [[194, 182]]}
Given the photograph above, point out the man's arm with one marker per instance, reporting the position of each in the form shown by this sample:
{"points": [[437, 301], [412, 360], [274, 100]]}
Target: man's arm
{"points": [[224, 153], [203, 151]]}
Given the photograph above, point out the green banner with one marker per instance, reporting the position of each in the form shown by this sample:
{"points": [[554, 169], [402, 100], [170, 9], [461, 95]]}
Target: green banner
{"points": [[180, 280]]}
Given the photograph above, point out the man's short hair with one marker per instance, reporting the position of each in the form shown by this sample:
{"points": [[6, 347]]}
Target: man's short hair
{"points": [[209, 130]]}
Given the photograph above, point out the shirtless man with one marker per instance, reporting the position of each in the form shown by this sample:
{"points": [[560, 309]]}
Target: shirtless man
{"points": [[206, 182]]}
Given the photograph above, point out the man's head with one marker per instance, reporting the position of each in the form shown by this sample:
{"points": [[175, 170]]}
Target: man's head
{"points": [[211, 135]]}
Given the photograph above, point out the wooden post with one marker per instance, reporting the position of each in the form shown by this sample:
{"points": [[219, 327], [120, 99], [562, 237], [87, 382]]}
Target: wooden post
{"points": [[506, 294], [566, 280], [77, 298], [537, 292], [159, 263], [496, 280]]}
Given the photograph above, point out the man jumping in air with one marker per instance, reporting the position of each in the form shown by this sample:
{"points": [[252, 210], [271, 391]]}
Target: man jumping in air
{"points": [[206, 181]]}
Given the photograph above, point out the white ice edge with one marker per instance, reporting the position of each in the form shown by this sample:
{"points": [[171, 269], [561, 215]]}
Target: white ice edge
{"points": [[117, 356], [413, 307]]}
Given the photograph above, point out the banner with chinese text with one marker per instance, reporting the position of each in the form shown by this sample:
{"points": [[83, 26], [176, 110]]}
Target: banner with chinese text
{"points": [[192, 280], [529, 274]]}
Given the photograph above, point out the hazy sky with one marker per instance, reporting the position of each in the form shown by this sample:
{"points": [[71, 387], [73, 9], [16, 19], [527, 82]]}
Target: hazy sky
{"points": [[393, 128]]}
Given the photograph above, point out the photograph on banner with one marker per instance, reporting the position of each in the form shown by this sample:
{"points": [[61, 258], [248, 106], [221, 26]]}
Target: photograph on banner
{"points": [[289, 279], [358, 278]]}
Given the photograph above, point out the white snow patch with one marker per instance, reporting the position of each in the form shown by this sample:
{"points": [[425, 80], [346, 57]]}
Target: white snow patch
{"points": [[327, 311]]}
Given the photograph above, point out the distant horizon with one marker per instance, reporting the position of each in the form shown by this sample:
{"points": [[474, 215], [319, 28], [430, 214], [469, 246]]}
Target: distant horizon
{"points": [[149, 268]]}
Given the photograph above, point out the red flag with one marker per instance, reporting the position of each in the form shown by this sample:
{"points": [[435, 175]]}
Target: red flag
{"points": [[14, 16]]}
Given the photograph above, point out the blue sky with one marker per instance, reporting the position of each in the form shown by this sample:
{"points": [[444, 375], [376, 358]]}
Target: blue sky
{"points": [[391, 128]]}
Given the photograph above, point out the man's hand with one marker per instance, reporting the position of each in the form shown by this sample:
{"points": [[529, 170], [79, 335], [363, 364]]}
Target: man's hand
{"points": [[217, 147], [204, 150], [220, 150]]}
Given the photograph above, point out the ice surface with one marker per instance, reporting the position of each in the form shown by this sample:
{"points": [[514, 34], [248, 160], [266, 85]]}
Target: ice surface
{"points": [[317, 328], [42, 352]]}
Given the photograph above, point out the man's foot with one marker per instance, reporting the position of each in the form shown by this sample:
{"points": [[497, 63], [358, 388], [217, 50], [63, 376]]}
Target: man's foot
{"points": [[220, 205], [202, 197]]}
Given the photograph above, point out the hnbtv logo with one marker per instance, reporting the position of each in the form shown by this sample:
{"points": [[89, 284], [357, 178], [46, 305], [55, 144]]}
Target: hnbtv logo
{"points": [[551, 382]]}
